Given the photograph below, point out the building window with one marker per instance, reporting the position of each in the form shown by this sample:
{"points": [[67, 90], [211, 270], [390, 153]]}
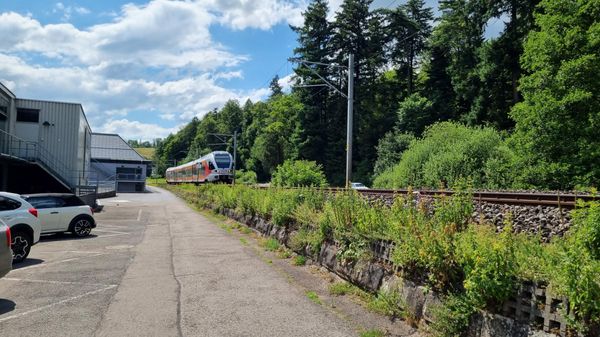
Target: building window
{"points": [[28, 115]]}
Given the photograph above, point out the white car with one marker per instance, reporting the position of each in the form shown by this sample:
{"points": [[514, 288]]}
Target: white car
{"points": [[22, 218], [358, 186], [63, 213]]}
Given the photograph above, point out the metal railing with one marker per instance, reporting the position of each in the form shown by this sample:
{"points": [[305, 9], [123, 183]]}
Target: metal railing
{"points": [[31, 151], [129, 176]]}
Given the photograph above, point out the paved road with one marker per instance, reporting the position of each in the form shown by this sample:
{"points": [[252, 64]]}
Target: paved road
{"points": [[155, 268]]}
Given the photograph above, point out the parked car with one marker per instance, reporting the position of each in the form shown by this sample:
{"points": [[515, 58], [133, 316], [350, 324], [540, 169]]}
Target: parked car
{"points": [[6, 256], [358, 186], [22, 218], [63, 213]]}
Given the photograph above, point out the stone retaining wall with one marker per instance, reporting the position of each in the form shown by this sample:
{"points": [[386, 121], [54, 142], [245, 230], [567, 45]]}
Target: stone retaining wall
{"points": [[376, 275]]}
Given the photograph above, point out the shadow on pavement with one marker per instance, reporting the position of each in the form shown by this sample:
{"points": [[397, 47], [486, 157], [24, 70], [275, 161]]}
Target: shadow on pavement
{"points": [[28, 262], [64, 236], [6, 306]]}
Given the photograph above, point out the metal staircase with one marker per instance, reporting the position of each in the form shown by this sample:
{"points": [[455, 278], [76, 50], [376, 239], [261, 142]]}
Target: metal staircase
{"points": [[16, 148]]}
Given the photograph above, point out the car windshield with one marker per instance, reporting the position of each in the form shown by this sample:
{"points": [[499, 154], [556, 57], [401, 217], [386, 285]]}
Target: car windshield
{"points": [[358, 185]]}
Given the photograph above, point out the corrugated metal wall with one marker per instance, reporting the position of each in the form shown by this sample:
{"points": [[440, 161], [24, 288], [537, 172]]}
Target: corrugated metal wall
{"points": [[61, 131]]}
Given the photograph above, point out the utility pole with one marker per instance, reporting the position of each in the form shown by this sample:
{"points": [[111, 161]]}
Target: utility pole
{"points": [[234, 154], [349, 119], [349, 97]]}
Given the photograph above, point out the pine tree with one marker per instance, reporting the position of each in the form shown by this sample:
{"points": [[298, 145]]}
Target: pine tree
{"points": [[499, 69], [410, 27], [276, 89], [314, 45]]}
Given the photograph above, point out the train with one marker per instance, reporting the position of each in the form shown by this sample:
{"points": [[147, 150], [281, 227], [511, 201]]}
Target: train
{"points": [[214, 167]]}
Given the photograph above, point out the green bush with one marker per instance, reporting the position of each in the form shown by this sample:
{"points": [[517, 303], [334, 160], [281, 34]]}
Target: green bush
{"points": [[283, 208], [577, 266], [297, 173], [489, 263], [427, 242], [452, 316], [245, 177], [448, 153]]}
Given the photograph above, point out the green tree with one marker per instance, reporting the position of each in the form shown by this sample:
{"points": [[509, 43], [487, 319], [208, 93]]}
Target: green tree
{"points": [[415, 114], [390, 149], [314, 45], [276, 134], [499, 69], [556, 134], [276, 89], [410, 27]]}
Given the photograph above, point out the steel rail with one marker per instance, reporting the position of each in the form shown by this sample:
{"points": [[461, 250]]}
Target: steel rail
{"points": [[562, 200]]}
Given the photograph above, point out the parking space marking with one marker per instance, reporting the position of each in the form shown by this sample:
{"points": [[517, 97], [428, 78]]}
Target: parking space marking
{"points": [[56, 262], [55, 282], [139, 217], [115, 233], [70, 299]]}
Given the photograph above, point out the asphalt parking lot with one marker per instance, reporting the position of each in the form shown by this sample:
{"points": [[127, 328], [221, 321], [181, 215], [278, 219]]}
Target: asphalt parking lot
{"points": [[62, 287], [154, 267]]}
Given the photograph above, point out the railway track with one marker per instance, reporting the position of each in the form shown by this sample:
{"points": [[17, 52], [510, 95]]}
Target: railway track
{"points": [[566, 200], [560, 200]]}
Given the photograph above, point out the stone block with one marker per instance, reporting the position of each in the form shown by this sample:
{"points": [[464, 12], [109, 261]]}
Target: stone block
{"points": [[413, 298], [485, 324], [327, 256]]}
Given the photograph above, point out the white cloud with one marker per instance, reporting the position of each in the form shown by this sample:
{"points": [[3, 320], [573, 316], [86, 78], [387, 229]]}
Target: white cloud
{"points": [[67, 11], [158, 57], [229, 75], [287, 82], [136, 130], [105, 97], [263, 14]]}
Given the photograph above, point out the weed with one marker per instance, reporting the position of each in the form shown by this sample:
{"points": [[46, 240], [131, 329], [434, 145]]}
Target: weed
{"points": [[245, 230], [299, 260], [345, 288], [284, 254], [244, 241], [340, 288], [225, 228], [271, 245], [313, 297], [372, 333], [451, 318], [387, 303]]}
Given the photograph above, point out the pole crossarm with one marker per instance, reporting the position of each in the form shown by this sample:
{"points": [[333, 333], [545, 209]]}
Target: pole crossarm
{"points": [[298, 60], [311, 85], [326, 82]]}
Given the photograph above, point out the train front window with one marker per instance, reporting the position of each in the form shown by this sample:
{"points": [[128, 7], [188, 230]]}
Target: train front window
{"points": [[223, 161]]}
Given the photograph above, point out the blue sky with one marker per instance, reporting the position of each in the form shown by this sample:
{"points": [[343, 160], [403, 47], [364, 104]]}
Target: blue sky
{"points": [[145, 68]]}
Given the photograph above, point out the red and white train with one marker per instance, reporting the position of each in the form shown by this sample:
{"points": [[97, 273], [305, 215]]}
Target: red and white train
{"points": [[216, 166]]}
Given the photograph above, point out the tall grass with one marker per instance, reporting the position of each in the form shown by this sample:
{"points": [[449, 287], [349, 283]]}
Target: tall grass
{"points": [[470, 263]]}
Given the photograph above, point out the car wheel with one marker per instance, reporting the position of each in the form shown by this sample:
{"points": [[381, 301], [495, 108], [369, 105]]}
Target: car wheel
{"points": [[21, 246], [82, 227]]}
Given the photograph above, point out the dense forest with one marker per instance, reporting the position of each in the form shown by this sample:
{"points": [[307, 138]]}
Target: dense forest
{"points": [[435, 100]]}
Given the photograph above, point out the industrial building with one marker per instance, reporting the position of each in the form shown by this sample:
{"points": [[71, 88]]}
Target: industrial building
{"points": [[114, 160], [45, 146]]}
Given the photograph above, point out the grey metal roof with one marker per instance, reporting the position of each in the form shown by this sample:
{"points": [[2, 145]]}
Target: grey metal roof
{"points": [[113, 147]]}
